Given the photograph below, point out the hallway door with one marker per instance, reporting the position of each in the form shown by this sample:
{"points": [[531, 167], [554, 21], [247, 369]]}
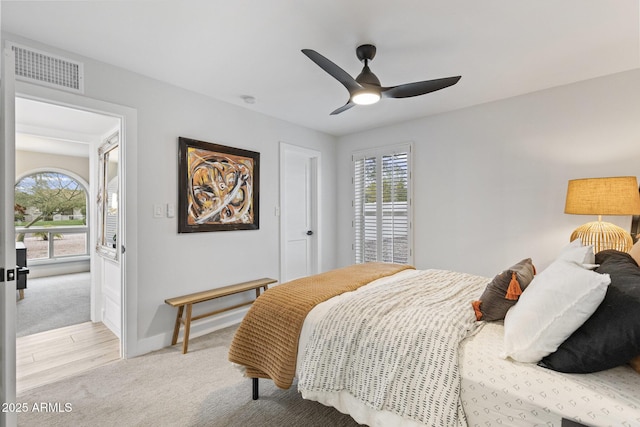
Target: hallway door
{"points": [[298, 212]]}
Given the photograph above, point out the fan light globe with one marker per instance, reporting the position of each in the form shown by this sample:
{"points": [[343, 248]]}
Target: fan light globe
{"points": [[365, 98]]}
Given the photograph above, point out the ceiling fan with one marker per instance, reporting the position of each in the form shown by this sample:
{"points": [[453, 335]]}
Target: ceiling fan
{"points": [[366, 89]]}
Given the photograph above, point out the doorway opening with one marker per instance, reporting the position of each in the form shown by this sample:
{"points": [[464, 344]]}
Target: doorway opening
{"points": [[50, 219], [66, 282]]}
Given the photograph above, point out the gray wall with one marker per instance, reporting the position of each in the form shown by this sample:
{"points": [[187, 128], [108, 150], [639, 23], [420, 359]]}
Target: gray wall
{"points": [[490, 181], [164, 263], [27, 161]]}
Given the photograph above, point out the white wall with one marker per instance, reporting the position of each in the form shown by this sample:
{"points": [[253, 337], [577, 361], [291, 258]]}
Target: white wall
{"points": [[169, 264], [490, 181]]}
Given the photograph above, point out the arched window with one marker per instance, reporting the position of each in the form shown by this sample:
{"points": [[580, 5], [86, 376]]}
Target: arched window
{"points": [[51, 215]]}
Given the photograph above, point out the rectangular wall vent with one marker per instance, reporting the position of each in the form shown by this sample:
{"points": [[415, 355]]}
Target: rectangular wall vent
{"points": [[43, 68]]}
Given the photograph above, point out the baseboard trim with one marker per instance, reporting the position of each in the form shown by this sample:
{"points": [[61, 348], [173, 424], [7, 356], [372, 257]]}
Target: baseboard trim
{"points": [[199, 328]]}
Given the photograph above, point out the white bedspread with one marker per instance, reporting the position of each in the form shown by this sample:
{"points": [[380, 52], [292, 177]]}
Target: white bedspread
{"points": [[394, 346], [499, 392]]}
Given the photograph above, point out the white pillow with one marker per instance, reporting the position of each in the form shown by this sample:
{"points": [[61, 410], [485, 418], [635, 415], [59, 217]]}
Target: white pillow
{"points": [[556, 303], [575, 252]]}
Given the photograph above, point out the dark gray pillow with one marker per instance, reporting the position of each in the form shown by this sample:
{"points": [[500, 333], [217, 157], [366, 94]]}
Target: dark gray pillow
{"points": [[611, 336], [496, 299]]}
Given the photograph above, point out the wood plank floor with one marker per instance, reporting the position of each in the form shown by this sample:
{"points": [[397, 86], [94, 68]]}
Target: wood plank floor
{"points": [[49, 356]]}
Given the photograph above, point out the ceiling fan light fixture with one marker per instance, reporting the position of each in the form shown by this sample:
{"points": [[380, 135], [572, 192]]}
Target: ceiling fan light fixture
{"points": [[365, 97], [366, 88]]}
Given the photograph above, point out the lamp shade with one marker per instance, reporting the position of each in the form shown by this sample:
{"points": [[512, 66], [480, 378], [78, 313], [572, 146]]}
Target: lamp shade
{"points": [[603, 196]]}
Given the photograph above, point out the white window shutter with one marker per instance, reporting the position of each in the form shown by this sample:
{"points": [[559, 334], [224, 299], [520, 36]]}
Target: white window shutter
{"points": [[382, 214]]}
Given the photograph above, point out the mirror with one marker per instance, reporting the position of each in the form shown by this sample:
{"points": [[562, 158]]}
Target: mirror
{"points": [[108, 157]]}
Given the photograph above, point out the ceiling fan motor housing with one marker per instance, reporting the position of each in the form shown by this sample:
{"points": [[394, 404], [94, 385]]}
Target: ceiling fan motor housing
{"points": [[366, 53], [366, 77]]}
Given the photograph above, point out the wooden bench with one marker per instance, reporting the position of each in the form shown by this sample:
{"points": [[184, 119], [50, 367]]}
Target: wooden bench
{"points": [[189, 300]]}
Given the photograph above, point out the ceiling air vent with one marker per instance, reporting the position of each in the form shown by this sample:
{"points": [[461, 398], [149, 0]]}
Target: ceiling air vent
{"points": [[43, 68]]}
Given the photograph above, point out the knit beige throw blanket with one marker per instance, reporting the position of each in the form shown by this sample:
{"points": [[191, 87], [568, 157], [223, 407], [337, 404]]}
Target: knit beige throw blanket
{"points": [[266, 341]]}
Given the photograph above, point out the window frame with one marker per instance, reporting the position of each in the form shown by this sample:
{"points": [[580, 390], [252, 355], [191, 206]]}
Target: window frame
{"points": [[357, 255], [105, 247], [51, 257]]}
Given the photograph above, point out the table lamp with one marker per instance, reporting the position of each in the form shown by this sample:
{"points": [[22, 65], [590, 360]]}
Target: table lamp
{"points": [[603, 196]]}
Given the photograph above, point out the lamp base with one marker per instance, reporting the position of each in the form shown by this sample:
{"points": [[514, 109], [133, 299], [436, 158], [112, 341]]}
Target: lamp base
{"points": [[603, 235]]}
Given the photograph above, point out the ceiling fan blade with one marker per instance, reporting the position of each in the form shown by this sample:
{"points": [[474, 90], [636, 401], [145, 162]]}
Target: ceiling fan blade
{"points": [[418, 88], [345, 107], [335, 71]]}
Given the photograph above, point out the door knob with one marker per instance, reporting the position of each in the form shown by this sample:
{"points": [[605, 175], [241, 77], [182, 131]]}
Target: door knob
{"points": [[309, 233]]}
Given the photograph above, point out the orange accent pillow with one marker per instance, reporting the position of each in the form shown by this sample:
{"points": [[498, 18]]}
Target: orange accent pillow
{"points": [[635, 363], [503, 291], [514, 290]]}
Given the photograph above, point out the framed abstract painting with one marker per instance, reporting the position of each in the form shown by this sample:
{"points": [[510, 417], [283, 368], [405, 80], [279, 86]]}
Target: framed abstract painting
{"points": [[218, 187]]}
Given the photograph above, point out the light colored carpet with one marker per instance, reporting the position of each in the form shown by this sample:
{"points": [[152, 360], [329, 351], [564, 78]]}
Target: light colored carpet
{"points": [[168, 388], [54, 302]]}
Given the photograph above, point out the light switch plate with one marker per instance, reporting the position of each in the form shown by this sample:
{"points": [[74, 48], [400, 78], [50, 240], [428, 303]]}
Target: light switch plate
{"points": [[171, 210], [158, 210]]}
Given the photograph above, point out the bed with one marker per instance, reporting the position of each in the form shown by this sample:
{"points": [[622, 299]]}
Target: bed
{"points": [[405, 348]]}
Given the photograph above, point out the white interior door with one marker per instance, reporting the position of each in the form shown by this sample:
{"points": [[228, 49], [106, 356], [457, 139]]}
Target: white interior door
{"points": [[106, 265], [299, 212], [7, 241]]}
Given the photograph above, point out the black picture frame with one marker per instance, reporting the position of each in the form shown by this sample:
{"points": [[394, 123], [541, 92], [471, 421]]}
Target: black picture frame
{"points": [[218, 187]]}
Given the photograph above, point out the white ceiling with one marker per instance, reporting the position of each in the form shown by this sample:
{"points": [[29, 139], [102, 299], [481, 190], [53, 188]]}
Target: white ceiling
{"points": [[54, 129], [227, 49]]}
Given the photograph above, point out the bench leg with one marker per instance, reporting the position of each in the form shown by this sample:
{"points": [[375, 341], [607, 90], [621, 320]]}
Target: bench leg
{"points": [[187, 327], [264, 288], [176, 328], [255, 388]]}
